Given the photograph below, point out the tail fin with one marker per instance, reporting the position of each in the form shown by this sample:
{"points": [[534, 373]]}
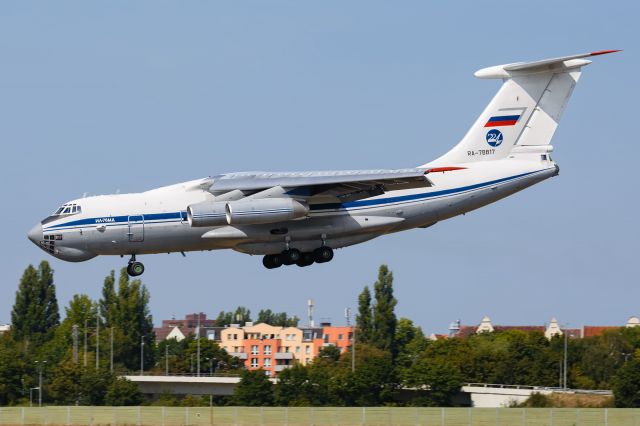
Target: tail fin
{"points": [[525, 111]]}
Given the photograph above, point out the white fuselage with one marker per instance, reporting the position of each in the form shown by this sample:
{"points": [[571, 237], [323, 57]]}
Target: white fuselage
{"points": [[156, 221]]}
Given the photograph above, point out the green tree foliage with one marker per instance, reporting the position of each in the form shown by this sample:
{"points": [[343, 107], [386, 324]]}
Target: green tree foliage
{"points": [[73, 384], [373, 383], [12, 368], [35, 311], [253, 390], [278, 319], [442, 381], [127, 311], [329, 353], [240, 316], [182, 357], [123, 392], [364, 320], [384, 317], [410, 342], [626, 385], [294, 387]]}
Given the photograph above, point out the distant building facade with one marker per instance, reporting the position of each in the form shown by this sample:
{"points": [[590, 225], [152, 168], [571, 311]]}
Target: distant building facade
{"points": [[552, 329], [4, 328], [180, 328], [273, 349]]}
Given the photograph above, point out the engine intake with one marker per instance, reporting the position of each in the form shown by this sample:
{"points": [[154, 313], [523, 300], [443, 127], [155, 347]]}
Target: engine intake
{"points": [[266, 210]]}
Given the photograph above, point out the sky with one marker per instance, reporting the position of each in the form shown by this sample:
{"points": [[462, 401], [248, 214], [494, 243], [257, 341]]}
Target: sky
{"points": [[99, 97]]}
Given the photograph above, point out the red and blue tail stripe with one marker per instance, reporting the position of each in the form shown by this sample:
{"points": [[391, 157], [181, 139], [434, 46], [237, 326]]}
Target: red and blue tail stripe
{"points": [[502, 120]]}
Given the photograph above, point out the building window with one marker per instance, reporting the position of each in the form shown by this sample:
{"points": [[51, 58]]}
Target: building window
{"points": [[307, 360], [267, 372], [267, 349], [267, 362], [339, 336], [286, 349], [297, 349], [307, 349], [254, 362], [254, 350]]}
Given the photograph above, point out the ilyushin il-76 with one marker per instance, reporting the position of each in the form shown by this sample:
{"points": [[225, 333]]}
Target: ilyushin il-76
{"points": [[302, 217]]}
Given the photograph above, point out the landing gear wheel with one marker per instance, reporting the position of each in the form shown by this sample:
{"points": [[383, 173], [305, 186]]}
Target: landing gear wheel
{"points": [[272, 261], [135, 269], [323, 254], [306, 259], [291, 256]]}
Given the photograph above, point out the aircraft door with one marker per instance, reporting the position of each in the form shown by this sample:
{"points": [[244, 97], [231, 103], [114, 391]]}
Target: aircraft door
{"points": [[136, 228]]}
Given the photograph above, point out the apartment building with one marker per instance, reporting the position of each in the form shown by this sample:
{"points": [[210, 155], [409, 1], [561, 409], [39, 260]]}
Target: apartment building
{"points": [[274, 349]]}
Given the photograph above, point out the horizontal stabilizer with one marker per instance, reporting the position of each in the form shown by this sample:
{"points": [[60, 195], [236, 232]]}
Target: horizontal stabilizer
{"points": [[562, 63]]}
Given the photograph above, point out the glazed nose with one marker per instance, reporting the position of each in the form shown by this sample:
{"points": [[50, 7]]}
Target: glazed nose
{"points": [[35, 235]]}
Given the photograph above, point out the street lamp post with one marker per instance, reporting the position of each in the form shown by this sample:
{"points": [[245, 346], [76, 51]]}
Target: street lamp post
{"points": [[40, 365], [198, 348], [564, 369], [31, 395], [141, 355]]}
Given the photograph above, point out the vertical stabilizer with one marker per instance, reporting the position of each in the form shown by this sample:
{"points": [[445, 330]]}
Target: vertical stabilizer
{"points": [[525, 111]]}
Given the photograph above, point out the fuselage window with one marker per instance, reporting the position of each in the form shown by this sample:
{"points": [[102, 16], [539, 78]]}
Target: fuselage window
{"points": [[79, 209]]}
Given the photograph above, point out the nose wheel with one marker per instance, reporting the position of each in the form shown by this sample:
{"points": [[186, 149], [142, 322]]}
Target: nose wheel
{"points": [[135, 268]]}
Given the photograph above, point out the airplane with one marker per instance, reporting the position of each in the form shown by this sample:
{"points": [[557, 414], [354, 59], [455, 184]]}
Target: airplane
{"points": [[301, 217]]}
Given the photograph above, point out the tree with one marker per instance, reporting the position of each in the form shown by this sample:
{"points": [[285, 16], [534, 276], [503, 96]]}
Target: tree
{"points": [[294, 387], [626, 385], [278, 319], [409, 342], [127, 310], [441, 379], [11, 370], [122, 391], [329, 353], [364, 320], [384, 318], [373, 383], [35, 311], [240, 316], [253, 390]]}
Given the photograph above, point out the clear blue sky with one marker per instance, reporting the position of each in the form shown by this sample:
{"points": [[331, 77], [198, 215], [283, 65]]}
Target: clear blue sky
{"points": [[103, 96]]}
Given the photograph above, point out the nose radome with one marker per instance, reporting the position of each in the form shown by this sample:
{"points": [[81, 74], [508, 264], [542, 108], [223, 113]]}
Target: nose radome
{"points": [[35, 235]]}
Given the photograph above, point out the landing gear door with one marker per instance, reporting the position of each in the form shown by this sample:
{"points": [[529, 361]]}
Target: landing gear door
{"points": [[136, 228]]}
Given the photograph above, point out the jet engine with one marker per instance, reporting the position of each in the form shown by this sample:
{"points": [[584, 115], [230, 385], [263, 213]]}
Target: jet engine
{"points": [[245, 212], [265, 210], [209, 213]]}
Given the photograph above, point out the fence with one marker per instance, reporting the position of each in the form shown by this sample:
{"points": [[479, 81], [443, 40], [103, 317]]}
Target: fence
{"points": [[188, 416]]}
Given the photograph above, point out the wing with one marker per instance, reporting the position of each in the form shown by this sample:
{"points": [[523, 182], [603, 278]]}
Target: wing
{"points": [[322, 186]]}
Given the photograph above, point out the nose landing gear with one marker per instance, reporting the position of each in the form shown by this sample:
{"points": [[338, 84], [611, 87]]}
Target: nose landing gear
{"points": [[134, 268]]}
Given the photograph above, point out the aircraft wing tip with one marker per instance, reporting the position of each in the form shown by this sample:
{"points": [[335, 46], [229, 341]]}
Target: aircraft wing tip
{"points": [[604, 52]]}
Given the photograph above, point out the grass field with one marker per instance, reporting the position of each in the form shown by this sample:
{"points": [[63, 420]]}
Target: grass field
{"points": [[181, 416]]}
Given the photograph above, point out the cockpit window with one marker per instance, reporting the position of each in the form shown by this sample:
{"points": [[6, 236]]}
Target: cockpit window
{"points": [[67, 209]]}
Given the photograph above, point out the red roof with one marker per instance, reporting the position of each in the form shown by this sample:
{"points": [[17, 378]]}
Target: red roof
{"points": [[497, 328], [597, 330]]}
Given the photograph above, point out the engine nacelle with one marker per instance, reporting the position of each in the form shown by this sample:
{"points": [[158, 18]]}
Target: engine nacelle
{"points": [[264, 210], [208, 213]]}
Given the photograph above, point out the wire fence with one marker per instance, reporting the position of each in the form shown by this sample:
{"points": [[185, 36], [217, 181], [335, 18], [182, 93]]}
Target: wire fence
{"points": [[236, 416]]}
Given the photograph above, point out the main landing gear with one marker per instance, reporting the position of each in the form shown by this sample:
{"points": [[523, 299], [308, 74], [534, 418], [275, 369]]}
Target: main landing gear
{"points": [[294, 256], [134, 268]]}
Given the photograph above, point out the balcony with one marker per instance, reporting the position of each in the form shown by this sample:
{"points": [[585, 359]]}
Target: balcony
{"points": [[283, 355], [241, 355], [278, 368]]}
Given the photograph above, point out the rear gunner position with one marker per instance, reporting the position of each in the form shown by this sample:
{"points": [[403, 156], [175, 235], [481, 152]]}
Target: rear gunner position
{"points": [[301, 217]]}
